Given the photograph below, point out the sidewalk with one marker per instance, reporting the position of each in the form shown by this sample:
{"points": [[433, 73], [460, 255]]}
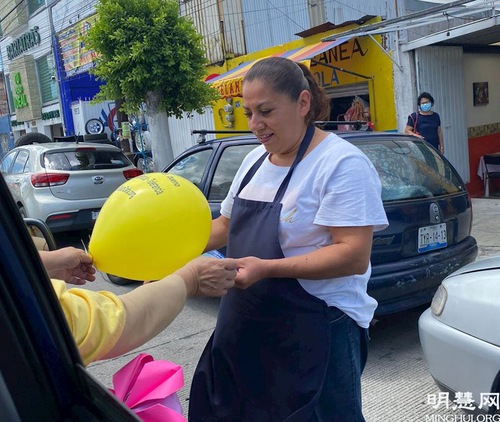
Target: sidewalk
{"points": [[486, 225]]}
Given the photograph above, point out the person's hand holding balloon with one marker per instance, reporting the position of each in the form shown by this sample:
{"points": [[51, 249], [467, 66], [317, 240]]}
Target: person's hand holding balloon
{"points": [[209, 276], [150, 227]]}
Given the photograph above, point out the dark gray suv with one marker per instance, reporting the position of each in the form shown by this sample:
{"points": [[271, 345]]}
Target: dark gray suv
{"points": [[426, 202]]}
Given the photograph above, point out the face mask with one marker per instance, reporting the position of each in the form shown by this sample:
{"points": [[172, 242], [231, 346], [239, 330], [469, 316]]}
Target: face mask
{"points": [[425, 107]]}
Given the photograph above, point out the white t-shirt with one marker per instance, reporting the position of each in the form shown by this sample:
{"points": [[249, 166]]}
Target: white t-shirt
{"points": [[335, 185]]}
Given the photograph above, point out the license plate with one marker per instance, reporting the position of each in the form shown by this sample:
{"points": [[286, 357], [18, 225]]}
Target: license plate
{"points": [[432, 237], [95, 214]]}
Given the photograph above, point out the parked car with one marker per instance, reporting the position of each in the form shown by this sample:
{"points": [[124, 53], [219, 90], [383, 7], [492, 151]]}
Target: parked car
{"points": [[426, 202], [460, 337], [65, 184], [42, 375]]}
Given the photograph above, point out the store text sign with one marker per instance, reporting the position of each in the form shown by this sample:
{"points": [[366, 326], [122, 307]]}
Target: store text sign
{"points": [[230, 88], [20, 99], [26, 41], [349, 54]]}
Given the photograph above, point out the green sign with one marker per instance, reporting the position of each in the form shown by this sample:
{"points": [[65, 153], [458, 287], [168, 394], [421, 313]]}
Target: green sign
{"points": [[54, 114], [20, 99]]}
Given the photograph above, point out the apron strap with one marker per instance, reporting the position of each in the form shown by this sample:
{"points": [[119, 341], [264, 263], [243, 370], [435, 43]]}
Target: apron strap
{"points": [[284, 185], [251, 172], [300, 154]]}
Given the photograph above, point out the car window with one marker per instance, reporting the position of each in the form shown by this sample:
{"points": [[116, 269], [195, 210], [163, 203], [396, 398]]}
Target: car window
{"points": [[20, 163], [228, 165], [85, 159], [410, 170], [7, 162], [193, 166]]}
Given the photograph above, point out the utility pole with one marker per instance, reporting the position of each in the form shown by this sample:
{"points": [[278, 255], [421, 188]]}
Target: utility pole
{"points": [[220, 9]]}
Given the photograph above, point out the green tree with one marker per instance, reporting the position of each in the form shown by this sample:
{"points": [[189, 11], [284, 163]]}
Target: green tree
{"points": [[149, 54]]}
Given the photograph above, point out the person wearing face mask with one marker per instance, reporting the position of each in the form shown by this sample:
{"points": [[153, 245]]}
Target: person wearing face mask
{"points": [[426, 124]]}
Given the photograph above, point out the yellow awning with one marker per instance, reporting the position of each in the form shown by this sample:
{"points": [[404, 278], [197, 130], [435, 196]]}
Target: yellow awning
{"points": [[229, 84]]}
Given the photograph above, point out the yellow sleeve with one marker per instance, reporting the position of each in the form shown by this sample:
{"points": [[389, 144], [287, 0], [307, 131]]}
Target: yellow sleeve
{"points": [[96, 319]]}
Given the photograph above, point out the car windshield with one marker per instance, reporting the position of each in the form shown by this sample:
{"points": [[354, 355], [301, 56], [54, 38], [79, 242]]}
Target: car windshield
{"points": [[410, 170], [85, 159]]}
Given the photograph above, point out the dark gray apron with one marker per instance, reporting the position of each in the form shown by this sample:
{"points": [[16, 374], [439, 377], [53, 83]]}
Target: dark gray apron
{"points": [[267, 357]]}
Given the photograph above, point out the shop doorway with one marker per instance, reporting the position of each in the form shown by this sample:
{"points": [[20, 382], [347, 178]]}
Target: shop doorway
{"points": [[341, 103]]}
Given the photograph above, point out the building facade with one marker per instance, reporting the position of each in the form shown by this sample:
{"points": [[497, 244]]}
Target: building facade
{"points": [[383, 53], [29, 68]]}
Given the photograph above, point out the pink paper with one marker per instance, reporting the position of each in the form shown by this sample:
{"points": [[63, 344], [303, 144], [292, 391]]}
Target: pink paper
{"points": [[148, 387]]}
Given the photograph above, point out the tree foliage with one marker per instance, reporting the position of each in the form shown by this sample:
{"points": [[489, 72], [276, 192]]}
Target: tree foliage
{"points": [[145, 47]]}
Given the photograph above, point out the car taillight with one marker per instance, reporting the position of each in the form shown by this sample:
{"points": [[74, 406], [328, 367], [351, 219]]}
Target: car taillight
{"points": [[130, 174], [44, 180]]}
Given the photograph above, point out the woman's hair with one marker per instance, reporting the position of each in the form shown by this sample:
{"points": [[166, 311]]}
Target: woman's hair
{"points": [[425, 95], [285, 76]]}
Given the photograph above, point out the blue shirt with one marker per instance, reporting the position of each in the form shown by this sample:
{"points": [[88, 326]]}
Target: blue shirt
{"points": [[427, 126]]}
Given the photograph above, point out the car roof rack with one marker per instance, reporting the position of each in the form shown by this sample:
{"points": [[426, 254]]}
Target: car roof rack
{"points": [[204, 132]]}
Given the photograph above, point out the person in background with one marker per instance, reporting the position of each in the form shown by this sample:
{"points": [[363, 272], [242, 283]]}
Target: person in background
{"points": [[105, 325], [291, 339], [367, 117], [425, 123]]}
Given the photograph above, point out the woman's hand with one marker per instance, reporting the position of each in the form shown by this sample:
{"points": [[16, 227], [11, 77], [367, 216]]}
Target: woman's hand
{"points": [[208, 276], [70, 264], [250, 270]]}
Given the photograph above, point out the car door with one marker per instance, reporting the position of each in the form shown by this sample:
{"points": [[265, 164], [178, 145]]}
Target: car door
{"points": [[212, 168], [42, 377], [19, 176]]}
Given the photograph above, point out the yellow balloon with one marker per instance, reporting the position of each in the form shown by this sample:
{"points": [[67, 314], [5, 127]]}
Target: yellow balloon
{"points": [[150, 226]]}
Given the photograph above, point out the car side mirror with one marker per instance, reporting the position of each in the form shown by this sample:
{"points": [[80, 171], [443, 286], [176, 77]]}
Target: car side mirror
{"points": [[40, 233]]}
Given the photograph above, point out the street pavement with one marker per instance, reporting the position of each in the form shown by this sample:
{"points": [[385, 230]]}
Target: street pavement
{"points": [[396, 381]]}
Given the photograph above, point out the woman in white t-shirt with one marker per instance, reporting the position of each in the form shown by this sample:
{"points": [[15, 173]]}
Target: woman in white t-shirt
{"points": [[291, 342]]}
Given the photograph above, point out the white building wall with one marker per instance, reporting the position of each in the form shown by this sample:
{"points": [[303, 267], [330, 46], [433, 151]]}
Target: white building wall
{"points": [[42, 21], [482, 68], [338, 12], [272, 23], [180, 129], [68, 12]]}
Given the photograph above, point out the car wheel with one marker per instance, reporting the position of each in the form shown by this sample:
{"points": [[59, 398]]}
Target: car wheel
{"points": [[143, 141], [120, 281], [32, 138], [94, 126]]}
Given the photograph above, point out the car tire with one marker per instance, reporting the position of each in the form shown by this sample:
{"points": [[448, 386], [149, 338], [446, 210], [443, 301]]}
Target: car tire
{"points": [[32, 138], [143, 138], [120, 281], [94, 127]]}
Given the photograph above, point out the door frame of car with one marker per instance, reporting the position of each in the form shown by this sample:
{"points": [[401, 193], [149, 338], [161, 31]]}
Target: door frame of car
{"points": [[42, 376]]}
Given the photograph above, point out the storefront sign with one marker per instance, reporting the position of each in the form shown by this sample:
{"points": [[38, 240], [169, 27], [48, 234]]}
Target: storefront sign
{"points": [[20, 99], [54, 114], [230, 88], [75, 56], [26, 41], [343, 52]]}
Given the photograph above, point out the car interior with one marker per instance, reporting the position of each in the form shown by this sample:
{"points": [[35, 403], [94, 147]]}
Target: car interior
{"points": [[42, 377]]}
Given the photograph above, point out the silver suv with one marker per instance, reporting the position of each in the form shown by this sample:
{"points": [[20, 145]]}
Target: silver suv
{"points": [[65, 184]]}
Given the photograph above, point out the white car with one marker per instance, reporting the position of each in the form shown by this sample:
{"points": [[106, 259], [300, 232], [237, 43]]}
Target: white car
{"points": [[65, 184], [460, 336]]}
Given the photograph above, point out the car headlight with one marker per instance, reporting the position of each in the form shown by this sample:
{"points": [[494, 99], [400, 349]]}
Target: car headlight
{"points": [[439, 300]]}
